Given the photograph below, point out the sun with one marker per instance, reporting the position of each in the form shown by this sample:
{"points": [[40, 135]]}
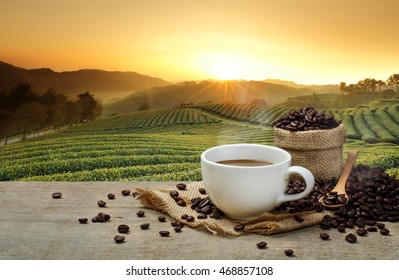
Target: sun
{"points": [[222, 66], [226, 70]]}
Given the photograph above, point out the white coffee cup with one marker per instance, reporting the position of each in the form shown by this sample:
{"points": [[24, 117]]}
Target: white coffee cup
{"points": [[246, 191]]}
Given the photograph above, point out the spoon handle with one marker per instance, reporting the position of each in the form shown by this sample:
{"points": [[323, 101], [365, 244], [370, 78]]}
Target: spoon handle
{"points": [[350, 161]]}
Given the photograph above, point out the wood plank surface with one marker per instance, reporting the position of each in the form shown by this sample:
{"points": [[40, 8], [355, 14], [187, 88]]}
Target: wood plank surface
{"points": [[35, 226]]}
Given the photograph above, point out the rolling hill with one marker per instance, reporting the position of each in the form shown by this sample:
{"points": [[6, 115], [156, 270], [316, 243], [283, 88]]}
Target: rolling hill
{"points": [[105, 85]]}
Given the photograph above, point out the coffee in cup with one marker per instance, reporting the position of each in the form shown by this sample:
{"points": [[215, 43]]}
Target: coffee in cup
{"points": [[245, 180]]}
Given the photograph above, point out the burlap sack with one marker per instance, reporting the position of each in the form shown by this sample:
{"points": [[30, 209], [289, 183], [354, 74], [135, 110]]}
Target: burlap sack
{"points": [[266, 224], [320, 151]]}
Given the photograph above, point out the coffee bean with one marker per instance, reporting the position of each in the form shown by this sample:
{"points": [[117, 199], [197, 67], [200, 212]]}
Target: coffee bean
{"points": [[361, 231], [177, 223], [190, 219], [239, 227], [164, 233], [206, 210], [123, 228], [324, 236], [181, 202], [111, 196], [384, 231], [83, 220], [202, 191], [94, 219], [102, 217], [119, 238], [140, 213], [56, 195], [145, 226], [372, 229], [202, 216], [181, 186], [126, 192], [351, 238], [288, 252], [298, 218], [380, 225], [162, 219], [174, 193], [101, 203], [184, 216], [341, 229], [261, 245], [177, 228]]}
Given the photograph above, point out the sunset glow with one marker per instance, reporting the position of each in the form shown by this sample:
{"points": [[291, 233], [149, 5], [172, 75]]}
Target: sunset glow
{"points": [[304, 41]]}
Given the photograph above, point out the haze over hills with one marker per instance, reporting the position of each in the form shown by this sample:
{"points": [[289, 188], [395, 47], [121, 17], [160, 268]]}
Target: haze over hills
{"points": [[105, 85], [316, 88], [205, 91]]}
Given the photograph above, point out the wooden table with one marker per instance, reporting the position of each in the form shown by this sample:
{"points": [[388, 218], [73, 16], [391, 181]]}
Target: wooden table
{"points": [[36, 226]]}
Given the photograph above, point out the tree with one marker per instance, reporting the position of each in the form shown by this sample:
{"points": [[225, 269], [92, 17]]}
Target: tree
{"points": [[88, 107], [144, 106], [343, 88], [7, 124], [394, 80], [30, 117], [381, 83]]}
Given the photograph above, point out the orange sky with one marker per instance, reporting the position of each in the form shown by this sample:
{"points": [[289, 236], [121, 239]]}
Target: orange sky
{"points": [[306, 41]]}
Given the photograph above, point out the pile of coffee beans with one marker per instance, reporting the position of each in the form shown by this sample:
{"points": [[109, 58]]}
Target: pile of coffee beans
{"points": [[306, 119], [101, 218], [373, 198]]}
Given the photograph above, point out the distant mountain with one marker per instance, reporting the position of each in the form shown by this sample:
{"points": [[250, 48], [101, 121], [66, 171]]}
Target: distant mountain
{"points": [[205, 91], [315, 88], [105, 85]]}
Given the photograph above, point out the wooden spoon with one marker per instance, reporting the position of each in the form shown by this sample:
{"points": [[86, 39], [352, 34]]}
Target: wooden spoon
{"points": [[339, 189]]}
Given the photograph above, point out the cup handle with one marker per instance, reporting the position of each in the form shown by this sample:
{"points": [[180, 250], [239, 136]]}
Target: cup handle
{"points": [[309, 180]]}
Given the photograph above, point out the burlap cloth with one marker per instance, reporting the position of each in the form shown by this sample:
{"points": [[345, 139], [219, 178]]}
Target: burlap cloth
{"points": [[265, 224], [320, 151]]}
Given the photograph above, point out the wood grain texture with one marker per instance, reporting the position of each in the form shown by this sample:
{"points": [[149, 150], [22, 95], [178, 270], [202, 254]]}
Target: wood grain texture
{"points": [[35, 226]]}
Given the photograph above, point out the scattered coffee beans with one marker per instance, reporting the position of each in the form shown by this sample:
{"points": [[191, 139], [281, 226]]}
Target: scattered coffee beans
{"points": [[83, 220], [162, 219], [101, 203], [261, 245], [140, 213], [56, 195], [145, 226], [324, 236], [351, 238], [101, 218], [119, 238], [123, 228], [126, 192], [289, 252], [177, 223], [305, 119], [111, 196], [181, 186], [164, 233], [205, 206]]}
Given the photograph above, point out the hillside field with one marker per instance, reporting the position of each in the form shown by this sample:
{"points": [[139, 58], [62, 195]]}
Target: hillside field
{"points": [[165, 145]]}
